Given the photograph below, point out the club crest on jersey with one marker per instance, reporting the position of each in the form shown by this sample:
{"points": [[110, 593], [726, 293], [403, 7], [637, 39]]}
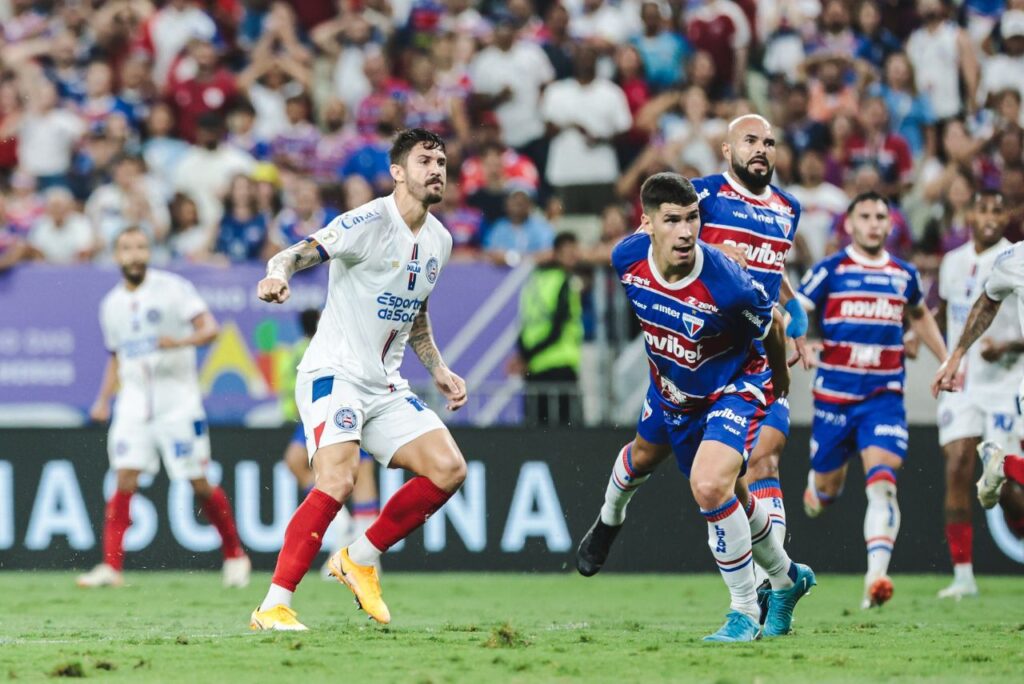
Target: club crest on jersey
{"points": [[899, 285], [346, 419], [692, 324], [647, 410], [785, 224], [432, 268]]}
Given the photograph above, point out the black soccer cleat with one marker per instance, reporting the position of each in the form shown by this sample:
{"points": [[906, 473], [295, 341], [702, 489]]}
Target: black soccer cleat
{"points": [[764, 595], [593, 549]]}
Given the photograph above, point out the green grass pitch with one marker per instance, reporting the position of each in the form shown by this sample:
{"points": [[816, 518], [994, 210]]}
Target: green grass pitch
{"points": [[500, 628]]}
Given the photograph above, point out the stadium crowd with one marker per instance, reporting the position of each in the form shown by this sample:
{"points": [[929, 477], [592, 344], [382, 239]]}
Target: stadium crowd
{"points": [[228, 129]]}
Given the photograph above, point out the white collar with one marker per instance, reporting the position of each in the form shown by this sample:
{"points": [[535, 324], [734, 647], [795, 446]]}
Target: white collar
{"points": [[743, 191], [698, 266], [998, 247], [881, 260]]}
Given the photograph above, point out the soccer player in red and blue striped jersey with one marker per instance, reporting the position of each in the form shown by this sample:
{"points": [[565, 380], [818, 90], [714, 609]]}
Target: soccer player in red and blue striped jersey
{"points": [[861, 295]]}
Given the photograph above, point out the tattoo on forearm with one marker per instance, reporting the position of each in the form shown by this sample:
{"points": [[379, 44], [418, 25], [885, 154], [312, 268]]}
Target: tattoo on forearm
{"points": [[421, 339], [982, 314], [299, 256]]}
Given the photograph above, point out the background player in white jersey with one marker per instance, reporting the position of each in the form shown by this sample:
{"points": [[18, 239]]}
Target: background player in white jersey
{"points": [[385, 259], [987, 406], [152, 323], [1007, 278]]}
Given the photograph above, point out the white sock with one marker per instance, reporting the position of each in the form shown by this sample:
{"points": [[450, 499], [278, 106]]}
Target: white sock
{"points": [[769, 555], [277, 596], [362, 552], [964, 573], [622, 484], [881, 520], [729, 539], [769, 493]]}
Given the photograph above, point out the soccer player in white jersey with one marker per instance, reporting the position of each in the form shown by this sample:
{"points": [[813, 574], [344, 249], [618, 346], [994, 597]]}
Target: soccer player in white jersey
{"points": [[152, 323], [987, 406], [385, 258], [1006, 278]]}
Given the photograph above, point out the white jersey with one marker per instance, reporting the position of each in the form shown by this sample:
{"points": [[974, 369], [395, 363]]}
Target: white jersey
{"points": [[381, 275], [153, 382], [961, 278]]}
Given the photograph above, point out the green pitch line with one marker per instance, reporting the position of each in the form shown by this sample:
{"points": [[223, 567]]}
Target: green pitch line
{"points": [[170, 627]]}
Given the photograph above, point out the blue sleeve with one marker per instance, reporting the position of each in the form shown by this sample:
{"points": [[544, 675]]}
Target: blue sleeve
{"points": [[757, 307], [629, 250], [926, 112], [814, 285], [702, 187], [915, 291], [495, 235]]}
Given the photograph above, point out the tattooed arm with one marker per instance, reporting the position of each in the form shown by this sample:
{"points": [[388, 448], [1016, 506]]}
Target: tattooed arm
{"points": [[284, 264], [982, 314], [421, 339]]}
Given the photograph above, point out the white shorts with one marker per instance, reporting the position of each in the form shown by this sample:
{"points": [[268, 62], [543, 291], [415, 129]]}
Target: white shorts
{"points": [[961, 416], [335, 411], [184, 444]]}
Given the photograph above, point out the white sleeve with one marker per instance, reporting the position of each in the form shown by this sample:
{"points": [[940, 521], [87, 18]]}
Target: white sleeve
{"points": [[623, 119], [107, 326], [345, 239], [1006, 276], [944, 269], [741, 37], [542, 68], [549, 106], [189, 303]]}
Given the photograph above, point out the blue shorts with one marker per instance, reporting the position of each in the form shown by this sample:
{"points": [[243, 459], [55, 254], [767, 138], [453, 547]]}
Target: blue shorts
{"points": [[734, 420], [778, 416], [299, 437], [841, 431]]}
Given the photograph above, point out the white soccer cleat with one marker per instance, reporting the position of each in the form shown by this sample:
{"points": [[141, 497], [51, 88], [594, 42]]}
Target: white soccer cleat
{"points": [[236, 572], [992, 476], [959, 589], [812, 504], [102, 575]]}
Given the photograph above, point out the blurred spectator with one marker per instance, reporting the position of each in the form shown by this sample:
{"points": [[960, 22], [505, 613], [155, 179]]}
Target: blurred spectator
{"points": [[62, 235], [434, 108], [874, 42], [205, 171], [243, 229], [488, 182], [137, 92], [346, 39], [14, 248], [386, 91], [23, 22], [615, 225], [551, 337], [24, 206], [910, 114], [65, 67], [691, 134], [508, 77], [305, 216], [356, 191], [584, 116], [162, 152], [47, 135], [269, 200], [599, 24], [942, 54], [829, 93], [802, 132], [199, 86], [92, 162], [369, 158], [629, 76], [10, 114], [465, 223], [522, 232], [99, 103], [558, 46], [900, 242], [835, 36], [955, 150], [132, 199], [188, 239], [295, 145], [1012, 187], [242, 131], [515, 167], [167, 33], [662, 51], [821, 202], [948, 230], [1005, 70], [721, 29], [336, 142], [874, 144]]}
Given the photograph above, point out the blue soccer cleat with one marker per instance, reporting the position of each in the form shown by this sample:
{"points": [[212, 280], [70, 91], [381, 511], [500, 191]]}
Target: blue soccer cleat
{"points": [[783, 601], [737, 627]]}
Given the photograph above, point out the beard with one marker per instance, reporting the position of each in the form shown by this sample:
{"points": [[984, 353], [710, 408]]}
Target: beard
{"points": [[752, 179], [134, 274]]}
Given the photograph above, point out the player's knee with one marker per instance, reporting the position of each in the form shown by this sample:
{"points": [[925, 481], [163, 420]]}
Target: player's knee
{"points": [[336, 482], [764, 467], [127, 481], [710, 493], [449, 471]]}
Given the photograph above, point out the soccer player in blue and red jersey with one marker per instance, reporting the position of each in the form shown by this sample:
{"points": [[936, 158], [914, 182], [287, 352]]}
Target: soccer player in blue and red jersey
{"points": [[701, 316], [754, 222], [861, 295]]}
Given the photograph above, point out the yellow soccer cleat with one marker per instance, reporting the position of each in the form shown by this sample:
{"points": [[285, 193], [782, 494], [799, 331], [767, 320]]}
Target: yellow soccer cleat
{"points": [[280, 618], [364, 583]]}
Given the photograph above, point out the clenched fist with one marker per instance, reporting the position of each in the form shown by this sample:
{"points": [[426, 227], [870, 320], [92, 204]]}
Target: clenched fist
{"points": [[273, 289]]}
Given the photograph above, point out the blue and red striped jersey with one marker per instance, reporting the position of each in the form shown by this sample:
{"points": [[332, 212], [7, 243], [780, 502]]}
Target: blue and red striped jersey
{"points": [[764, 224], [699, 331], [859, 303]]}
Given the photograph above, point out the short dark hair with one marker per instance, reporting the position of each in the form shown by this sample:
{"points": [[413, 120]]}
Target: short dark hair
{"points": [[983, 193], [666, 188], [128, 230], [564, 238], [309, 319], [409, 138], [869, 196]]}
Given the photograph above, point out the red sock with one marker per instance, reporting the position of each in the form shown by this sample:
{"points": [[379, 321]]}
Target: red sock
{"points": [[405, 511], [115, 522], [218, 512], [303, 537], [1013, 468], [960, 537]]}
